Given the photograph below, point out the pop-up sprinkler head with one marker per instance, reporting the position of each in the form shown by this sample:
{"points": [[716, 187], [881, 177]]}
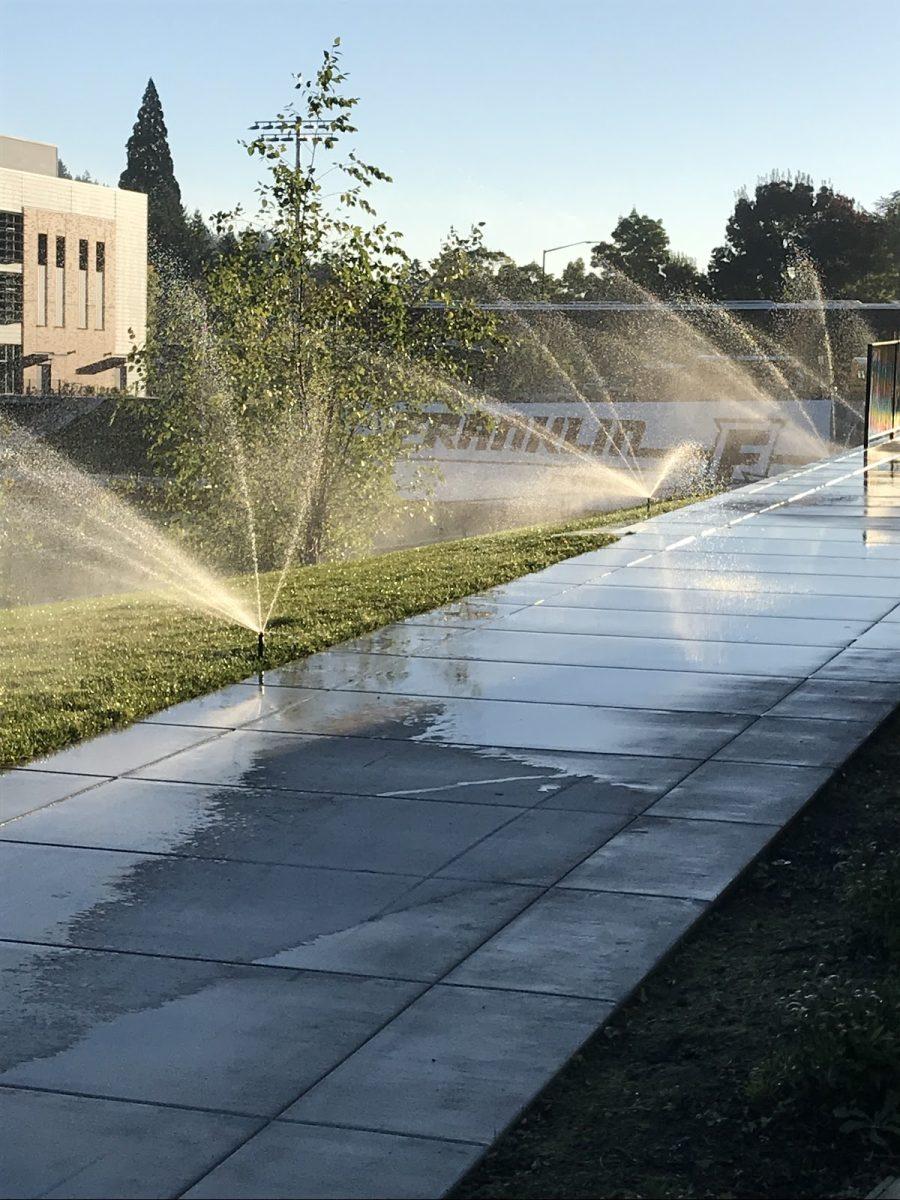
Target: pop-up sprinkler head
{"points": [[648, 510], [260, 643]]}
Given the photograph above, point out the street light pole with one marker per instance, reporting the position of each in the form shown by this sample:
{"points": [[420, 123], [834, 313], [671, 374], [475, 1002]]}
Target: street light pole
{"points": [[550, 250]]}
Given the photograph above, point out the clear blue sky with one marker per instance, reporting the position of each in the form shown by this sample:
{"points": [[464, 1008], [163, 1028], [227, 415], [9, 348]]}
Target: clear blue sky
{"points": [[545, 118]]}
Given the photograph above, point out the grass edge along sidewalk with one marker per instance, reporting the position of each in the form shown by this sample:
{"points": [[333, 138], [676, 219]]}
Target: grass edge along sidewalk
{"points": [[762, 1059], [78, 668]]}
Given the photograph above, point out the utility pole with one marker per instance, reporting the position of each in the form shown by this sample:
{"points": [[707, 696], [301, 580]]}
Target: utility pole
{"points": [[283, 129]]}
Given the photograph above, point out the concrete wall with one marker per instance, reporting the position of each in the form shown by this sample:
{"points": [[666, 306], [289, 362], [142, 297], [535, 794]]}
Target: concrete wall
{"points": [[16, 154]]}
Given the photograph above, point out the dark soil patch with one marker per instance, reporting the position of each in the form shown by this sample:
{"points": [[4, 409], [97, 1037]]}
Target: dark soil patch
{"points": [[664, 1102]]}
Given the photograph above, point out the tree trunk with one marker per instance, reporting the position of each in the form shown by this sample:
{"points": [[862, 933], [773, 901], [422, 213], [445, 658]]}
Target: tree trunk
{"points": [[314, 535]]}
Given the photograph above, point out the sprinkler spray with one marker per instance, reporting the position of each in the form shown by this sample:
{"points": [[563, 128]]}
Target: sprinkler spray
{"points": [[260, 643]]}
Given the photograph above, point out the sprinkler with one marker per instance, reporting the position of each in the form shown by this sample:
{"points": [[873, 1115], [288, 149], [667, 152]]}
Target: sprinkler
{"points": [[648, 514], [260, 643]]}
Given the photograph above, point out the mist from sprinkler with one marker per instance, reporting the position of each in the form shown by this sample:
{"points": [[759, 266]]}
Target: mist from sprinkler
{"points": [[75, 536]]}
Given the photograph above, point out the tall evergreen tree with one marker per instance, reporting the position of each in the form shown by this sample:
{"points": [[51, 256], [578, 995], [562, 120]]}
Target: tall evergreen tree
{"points": [[149, 169]]}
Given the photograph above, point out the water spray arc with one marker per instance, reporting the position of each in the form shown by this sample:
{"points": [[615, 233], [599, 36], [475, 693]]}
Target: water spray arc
{"points": [[268, 497]]}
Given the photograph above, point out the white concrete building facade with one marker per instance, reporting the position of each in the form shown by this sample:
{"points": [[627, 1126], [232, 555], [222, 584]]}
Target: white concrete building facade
{"points": [[73, 276]]}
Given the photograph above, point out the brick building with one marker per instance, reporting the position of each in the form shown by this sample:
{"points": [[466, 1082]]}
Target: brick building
{"points": [[73, 275]]}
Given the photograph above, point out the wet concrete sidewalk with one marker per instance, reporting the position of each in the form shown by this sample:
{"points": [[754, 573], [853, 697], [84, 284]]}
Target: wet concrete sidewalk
{"points": [[328, 936]]}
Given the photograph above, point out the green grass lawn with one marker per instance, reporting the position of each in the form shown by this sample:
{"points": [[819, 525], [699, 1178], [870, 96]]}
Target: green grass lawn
{"points": [[78, 668]]}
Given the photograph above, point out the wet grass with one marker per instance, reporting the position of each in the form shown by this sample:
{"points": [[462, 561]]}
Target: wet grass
{"points": [[763, 1058], [78, 668]]}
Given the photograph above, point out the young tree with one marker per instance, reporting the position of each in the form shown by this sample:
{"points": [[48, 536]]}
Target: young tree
{"points": [[320, 370]]}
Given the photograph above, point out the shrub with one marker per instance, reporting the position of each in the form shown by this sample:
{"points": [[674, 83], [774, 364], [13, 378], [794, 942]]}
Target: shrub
{"points": [[838, 1053], [872, 888]]}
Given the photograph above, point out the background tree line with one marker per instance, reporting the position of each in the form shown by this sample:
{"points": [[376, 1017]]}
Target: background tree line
{"points": [[855, 251]]}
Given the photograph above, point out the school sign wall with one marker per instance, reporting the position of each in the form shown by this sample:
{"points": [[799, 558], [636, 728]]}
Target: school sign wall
{"points": [[496, 458]]}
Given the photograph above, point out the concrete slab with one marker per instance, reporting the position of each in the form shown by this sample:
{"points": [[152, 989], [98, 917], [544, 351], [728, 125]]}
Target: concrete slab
{"points": [[522, 591], [878, 665], [677, 691], [475, 678], [537, 848], [24, 791], [584, 728], [802, 742], [839, 700], [517, 776], [695, 627], [246, 1040], [598, 945], [783, 582], [759, 793], [393, 835], [419, 937], [756, 601], [184, 907], [661, 856], [884, 636], [600, 650], [124, 750], [323, 1163], [851, 546], [706, 559], [458, 1063], [625, 784], [79, 1146], [769, 531], [226, 709]]}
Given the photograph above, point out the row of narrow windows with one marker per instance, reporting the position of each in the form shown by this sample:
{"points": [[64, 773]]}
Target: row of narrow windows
{"points": [[90, 292]]}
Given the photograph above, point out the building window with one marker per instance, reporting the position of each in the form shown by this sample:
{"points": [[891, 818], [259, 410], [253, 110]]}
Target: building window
{"points": [[10, 237], [82, 283], [100, 287], [60, 281], [10, 370], [10, 298], [41, 307]]}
